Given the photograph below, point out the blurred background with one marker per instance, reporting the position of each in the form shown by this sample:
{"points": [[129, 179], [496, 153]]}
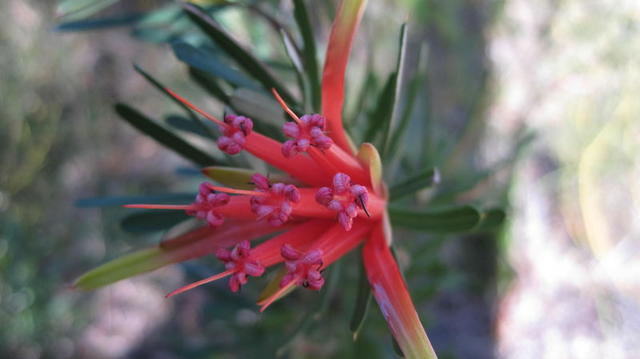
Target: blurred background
{"points": [[541, 96]]}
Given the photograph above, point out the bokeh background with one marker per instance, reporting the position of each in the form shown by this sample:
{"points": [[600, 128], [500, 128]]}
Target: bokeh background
{"points": [[561, 279]]}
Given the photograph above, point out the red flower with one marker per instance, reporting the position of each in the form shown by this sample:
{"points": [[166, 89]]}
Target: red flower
{"points": [[332, 202]]}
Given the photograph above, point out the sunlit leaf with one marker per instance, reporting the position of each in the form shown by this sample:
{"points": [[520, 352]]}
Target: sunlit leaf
{"points": [[369, 155], [241, 177], [274, 285], [124, 267]]}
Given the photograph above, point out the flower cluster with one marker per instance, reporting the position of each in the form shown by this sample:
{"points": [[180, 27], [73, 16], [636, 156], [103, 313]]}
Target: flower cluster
{"points": [[328, 200]]}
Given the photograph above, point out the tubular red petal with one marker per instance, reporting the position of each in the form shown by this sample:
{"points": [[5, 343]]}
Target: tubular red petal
{"points": [[335, 242], [395, 302], [239, 207], [204, 241], [300, 237], [336, 159], [308, 207], [301, 167], [335, 64]]}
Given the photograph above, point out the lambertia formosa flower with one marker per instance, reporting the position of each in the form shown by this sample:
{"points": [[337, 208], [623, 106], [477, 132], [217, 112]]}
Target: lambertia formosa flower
{"points": [[330, 200]]}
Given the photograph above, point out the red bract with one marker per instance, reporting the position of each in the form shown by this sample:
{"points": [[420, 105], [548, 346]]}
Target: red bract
{"points": [[335, 202]]}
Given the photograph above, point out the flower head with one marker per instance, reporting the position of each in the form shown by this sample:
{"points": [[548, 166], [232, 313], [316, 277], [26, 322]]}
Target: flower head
{"points": [[234, 134], [333, 202], [309, 130]]}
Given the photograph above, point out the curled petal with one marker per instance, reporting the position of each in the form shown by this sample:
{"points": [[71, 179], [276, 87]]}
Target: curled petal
{"points": [[335, 65], [391, 293]]}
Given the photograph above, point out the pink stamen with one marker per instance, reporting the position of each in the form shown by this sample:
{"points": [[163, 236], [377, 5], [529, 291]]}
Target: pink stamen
{"points": [[195, 108], [235, 131], [239, 264], [275, 200], [199, 283], [240, 261], [284, 106], [306, 131], [205, 204], [302, 268], [344, 198], [203, 207]]}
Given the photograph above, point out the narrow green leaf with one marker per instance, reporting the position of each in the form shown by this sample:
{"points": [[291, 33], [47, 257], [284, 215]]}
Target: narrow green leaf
{"points": [[363, 301], [208, 62], [239, 178], [448, 220], [389, 124], [398, 133], [367, 90], [161, 17], [274, 285], [209, 83], [195, 119], [384, 109], [187, 125], [292, 51], [176, 198], [152, 221], [98, 24], [243, 58], [163, 136], [310, 59], [124, 267], [422, 180]]}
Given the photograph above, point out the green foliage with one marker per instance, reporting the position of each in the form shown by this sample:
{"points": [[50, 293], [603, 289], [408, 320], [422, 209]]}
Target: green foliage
{"points": [[152, 221], [164, 136], [448, 220]]}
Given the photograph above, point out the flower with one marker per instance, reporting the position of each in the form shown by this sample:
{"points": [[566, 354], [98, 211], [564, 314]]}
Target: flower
{"points": [[331, 201]]}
